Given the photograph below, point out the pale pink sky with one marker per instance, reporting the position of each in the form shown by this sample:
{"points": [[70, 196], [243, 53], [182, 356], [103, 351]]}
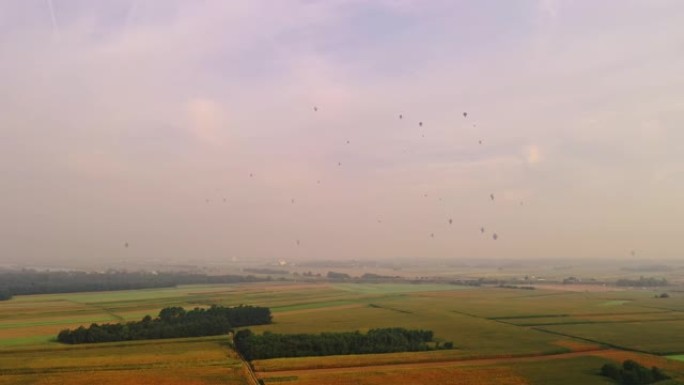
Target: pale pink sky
{"points": [[120, 119]]}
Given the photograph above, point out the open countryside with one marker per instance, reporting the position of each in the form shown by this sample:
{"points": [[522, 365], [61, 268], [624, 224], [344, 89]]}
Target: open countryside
{"points": [[312, 192], [519, 336]]}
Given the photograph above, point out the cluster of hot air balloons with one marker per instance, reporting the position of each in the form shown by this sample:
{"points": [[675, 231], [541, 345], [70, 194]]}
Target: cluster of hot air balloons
{"points": [[339, 164], [495, 236]]}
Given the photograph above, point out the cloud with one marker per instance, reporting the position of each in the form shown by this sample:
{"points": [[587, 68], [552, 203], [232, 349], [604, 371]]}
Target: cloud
{"points": [[533, 155], [206, 121], [550, 8], [165, 107]]}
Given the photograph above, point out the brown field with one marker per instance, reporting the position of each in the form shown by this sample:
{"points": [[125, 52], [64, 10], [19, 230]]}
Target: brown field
{"points": [[407, 376], [578, 346], [514, 370], [372, 365], [303, 363]]}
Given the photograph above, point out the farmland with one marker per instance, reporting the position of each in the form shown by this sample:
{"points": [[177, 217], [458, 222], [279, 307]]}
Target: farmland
{"points": [[501, 336]]}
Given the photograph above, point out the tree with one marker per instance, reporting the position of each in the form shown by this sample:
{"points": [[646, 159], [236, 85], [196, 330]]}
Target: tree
{"points": [[271, 345], [335, 275], [611, 370], [172, 322], [633, 373], [5, 294], [171, 313]]}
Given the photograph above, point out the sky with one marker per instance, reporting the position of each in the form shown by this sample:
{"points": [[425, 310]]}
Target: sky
{"points": [[248, 129]]}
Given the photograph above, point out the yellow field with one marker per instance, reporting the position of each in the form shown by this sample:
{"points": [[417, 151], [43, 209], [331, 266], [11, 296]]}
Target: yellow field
{"points": [[206, 361]]}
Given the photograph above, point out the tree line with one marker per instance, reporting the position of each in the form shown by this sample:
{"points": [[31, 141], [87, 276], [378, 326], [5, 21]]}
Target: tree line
{"points": [[388, 340], [642, 282], [633, 373], [24, 282], [5, 295], [172, 322]]}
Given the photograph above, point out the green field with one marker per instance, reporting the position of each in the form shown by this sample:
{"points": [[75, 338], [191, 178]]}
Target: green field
{"points": [[658, 337], [570, 332]]}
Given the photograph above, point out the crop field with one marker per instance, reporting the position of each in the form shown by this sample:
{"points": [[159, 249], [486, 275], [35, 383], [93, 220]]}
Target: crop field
{"points": [[570, 370], [404, 375], [658, 337], [500, 336], [198, 361]]}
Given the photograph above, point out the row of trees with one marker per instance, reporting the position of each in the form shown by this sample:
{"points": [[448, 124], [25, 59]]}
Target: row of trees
{"points": [[365, 277], [642, 282], [389, 340], [265, 271], [5, 295], [47, 282], [633, 373], [504, 286], [172, 322], [336, 275]]}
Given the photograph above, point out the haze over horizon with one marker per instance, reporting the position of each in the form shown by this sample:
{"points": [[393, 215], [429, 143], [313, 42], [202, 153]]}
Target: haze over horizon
{"points": [[253, 129]]}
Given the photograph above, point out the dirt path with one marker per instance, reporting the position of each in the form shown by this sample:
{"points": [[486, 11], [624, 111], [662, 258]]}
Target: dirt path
{"points": [[433, 364]]}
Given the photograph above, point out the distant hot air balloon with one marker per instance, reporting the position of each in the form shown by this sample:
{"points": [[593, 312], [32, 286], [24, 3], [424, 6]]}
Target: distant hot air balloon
{"points": [[465, 114], [495, 237], [401, 116], [482, 230], [315, 109], [491, 196], [451, 221], [420, 124]]}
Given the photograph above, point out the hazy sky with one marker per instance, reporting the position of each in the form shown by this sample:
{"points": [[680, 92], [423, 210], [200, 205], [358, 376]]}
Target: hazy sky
{"points": [[132, 121]]}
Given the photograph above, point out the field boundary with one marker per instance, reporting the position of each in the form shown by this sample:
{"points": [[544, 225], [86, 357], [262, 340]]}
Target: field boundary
{"points": [[246, 364]]}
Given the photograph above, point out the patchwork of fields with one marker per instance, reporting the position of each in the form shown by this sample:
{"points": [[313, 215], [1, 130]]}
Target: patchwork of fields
{"points": [[501, 336]]}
